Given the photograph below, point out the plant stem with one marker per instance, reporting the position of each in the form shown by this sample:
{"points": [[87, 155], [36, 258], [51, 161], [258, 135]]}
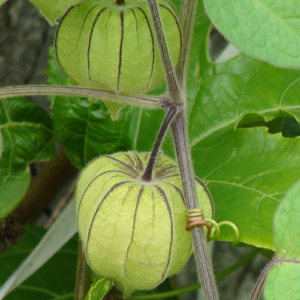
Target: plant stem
{"points": [[147, 176], [74, 91], [196, 286], [180, 134], [203, 260], [172, 83], [83, 274], [187, 19]]}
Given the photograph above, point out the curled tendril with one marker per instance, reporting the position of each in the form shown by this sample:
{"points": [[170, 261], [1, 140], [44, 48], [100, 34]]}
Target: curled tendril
{"points": [[216, 230], [195, 217]]}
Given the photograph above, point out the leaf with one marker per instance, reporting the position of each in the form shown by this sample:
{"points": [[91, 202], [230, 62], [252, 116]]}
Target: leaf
{"points": [[291, 128], [265, 29], [84, 126], [99, 289], [242, 86], [27, 136], [287, 225], [55, 280], [2, 2], [283, 278], [283, 282], [85, 129], [1, 146], [248, 171], [60, 232], [52, 10]]}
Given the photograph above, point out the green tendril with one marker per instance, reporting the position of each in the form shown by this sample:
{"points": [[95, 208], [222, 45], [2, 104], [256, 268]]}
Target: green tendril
{"points": [[235, 229], [215, 232]]}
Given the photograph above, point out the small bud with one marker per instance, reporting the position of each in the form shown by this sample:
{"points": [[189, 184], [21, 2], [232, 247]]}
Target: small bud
{"points": [[134, 231]]}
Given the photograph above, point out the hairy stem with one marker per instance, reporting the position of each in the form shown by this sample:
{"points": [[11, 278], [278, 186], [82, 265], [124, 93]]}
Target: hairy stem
{"points": [[172, 83], [42, 90], [197, 286], [147, 176], [186, 20], [180, 134], [83, 274]]}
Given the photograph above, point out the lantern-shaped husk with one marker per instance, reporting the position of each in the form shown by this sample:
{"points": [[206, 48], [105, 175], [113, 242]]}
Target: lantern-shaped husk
{"points": [[134, 231], [110, 46]]}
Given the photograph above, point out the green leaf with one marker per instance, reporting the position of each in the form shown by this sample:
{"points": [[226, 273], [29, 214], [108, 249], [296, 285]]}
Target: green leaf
{"points": [[237, 87], [265, 29], [248, 171], [27, 136], [99, 289], [52, 10], [59, 234], [84, 126], [287, 225], [283, 282], [85, 129], [2, 2], [1, 146], [283, 278], [55, 280]]}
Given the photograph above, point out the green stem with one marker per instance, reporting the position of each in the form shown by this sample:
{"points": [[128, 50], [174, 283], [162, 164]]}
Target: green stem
{"points": [[183, 153], [186, 19], [74, 91], [83, 275], [172, 82], [202, 257], [147, 176], [197, 285]]}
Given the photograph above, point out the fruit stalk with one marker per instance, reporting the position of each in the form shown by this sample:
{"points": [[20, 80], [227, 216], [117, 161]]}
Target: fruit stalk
{"points": [[83, 275], [147, 176], [180, 134]]}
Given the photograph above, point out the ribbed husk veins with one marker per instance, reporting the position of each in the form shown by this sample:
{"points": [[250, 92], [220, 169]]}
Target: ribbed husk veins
{"points": [[113, 47], [134, 231]]}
